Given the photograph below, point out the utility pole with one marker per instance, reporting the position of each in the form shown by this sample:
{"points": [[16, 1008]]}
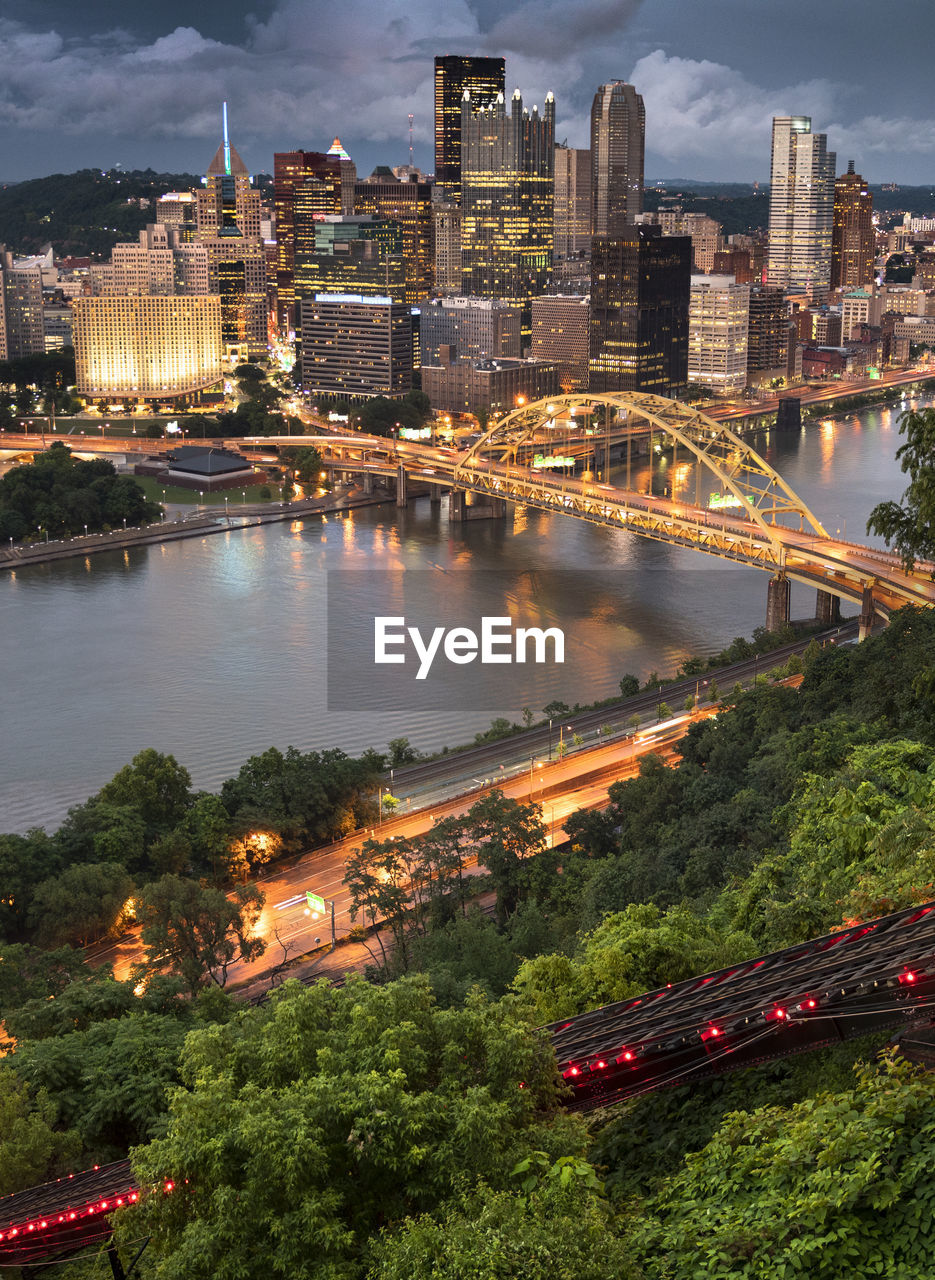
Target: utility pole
{"points": [[410, 142]]}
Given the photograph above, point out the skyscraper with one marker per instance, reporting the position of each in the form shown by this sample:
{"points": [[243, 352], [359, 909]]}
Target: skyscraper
{"points": [[801, 205], [506, 200], [572, 202], [307, 184], [852, 241], [618, 129], [483, 78], [640, 285], [409, 204]]}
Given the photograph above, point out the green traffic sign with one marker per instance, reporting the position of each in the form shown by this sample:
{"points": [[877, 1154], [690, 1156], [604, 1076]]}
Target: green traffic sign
{"points": [[314, 902]]}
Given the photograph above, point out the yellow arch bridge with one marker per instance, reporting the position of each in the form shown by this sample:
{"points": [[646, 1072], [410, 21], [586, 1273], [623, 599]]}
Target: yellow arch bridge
{"points": [[761, 522]]}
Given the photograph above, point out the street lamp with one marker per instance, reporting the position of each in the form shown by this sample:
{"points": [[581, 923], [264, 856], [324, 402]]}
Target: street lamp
{"points": [[316, 907]]}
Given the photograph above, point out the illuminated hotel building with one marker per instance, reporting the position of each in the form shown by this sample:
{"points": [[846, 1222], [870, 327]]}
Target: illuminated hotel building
{"points": [[718, 323], [151, 348], [640, 284], [618, 135], [852, 238], [507, 188], [483, 78], [409, 204], [307, 185], [801, 206]]}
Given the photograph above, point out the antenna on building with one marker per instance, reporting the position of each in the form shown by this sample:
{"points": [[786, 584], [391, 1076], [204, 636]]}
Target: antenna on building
{"points": [[410, 139], [227, 145]]}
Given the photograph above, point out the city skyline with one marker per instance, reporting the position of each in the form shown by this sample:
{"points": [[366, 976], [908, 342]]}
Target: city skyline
{"points": [[143, 87]]}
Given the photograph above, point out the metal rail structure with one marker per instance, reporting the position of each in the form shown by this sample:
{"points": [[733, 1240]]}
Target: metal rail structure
{"points": [[873, 975], [772, 529]]}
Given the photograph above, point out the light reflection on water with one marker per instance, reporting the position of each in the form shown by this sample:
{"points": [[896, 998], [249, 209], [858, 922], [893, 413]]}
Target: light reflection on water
{"points": [[214, 648]]}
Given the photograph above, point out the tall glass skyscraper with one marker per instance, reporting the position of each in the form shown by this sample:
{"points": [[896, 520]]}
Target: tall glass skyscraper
{"points": [[618, 134], [801, 206], [483, 78]]}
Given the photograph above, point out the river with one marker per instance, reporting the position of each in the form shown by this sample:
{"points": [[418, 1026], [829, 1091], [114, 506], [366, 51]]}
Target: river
{"points": [[214, 649]]}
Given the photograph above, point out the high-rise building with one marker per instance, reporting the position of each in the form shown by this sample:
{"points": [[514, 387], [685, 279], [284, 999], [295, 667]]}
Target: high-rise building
{"points": [[560, 333], [447, 231], [356, 347], [768, 340], [718, 325], [852, 238], [507, 192], [483, 79], [468, 329], [348, 176], [572, 235], [705, 232], [618, 132], [22, 331], [307, 185], [640, 282], [357, 255], [156, 348], [227, 204], [801, 206], [409, 204]]}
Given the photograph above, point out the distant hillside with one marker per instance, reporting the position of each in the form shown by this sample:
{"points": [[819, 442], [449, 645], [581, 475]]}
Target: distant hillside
{"points": [[82, 214]]}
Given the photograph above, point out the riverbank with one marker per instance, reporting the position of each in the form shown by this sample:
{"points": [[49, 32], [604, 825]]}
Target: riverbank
{"points": [[18, 555]]}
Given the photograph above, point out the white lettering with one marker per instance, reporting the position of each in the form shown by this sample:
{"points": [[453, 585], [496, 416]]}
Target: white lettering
{"points": [[461, 645], [539, 637], [383, 637], [426, 652], [493, 638]]}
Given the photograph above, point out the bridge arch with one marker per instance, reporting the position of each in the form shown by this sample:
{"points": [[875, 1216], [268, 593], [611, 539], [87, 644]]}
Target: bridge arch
{"points": [[763, 495]]}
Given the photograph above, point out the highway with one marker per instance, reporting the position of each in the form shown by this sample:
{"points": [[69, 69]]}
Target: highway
{"points": [[579, 781]]}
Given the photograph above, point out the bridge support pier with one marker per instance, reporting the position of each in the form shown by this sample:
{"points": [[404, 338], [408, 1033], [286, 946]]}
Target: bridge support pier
{"points": [[827, 609], [402, 499], [368, 482], [865, 625], [435, 494], [488, 508], [457, 504], [777, 602]]}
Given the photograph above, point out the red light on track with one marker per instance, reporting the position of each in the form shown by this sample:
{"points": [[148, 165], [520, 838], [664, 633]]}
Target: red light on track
{"points": [[133, 1196], [908, 978], [710, 1033], [626, 1056]]}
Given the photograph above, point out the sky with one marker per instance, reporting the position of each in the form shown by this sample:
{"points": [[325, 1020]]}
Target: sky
{"points": [[109, 82]]}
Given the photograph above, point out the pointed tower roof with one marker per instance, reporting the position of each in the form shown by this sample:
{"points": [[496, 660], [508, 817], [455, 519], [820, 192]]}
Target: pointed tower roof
{"points": [[336, 149], [216, 167]]}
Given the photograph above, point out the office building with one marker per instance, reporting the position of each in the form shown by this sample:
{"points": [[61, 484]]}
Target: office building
{"points": [[359, 255], [640, 283], [483, 79], [410, 205], [498, 386], [356, 347], [768, 336], [705, 232], [446, 220], [152, 348], [801, 207], [561, 334], [618, 132], [307, 185], [507, 188], [718, 324], [468, 329], [572, 232], [348, 170], [852, 236], [22, 331], [227, 203]]}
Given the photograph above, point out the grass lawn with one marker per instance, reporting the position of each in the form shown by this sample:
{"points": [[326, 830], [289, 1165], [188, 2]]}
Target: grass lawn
{"points": [[158, 492]]}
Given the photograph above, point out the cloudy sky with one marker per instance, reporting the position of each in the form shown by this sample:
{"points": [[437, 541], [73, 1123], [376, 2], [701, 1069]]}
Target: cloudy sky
{"points": [[120, 81]]}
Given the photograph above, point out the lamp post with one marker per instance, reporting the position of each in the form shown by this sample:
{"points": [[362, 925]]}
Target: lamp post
{"points": [[316, 907], [550, 737]]}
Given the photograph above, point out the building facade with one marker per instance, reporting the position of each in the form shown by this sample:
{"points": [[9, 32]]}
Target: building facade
{"points": [[470, 386], [410, 205], [801, 207], [618, 134], [307, 185], [468, 329], [446, 220], [152, 348], [572, 232], [22, 330], [507, 200], [640, 286], [561, 334], [852, 236], [768, 336], [483, 79], [356, 347], [718, 327], [357, 255]]}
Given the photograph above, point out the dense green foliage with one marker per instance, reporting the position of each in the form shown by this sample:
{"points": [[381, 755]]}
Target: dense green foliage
{"points": [[63, 497], [910, 524], [85, 213]]}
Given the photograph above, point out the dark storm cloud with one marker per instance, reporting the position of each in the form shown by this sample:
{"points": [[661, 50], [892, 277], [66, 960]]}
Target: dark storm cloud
{"points": [[90, 84]]}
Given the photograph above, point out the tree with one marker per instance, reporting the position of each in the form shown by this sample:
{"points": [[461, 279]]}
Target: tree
{"points": [[82, 903], [378, 878], [910, 524], [629, 686], [556, 710], [155, 786], [198, 932], [32, 1148], [663, 711], [504, 835], [401, 752]]}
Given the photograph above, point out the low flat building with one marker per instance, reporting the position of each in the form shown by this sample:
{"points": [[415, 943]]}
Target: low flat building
{"points": [[494, 385]]}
